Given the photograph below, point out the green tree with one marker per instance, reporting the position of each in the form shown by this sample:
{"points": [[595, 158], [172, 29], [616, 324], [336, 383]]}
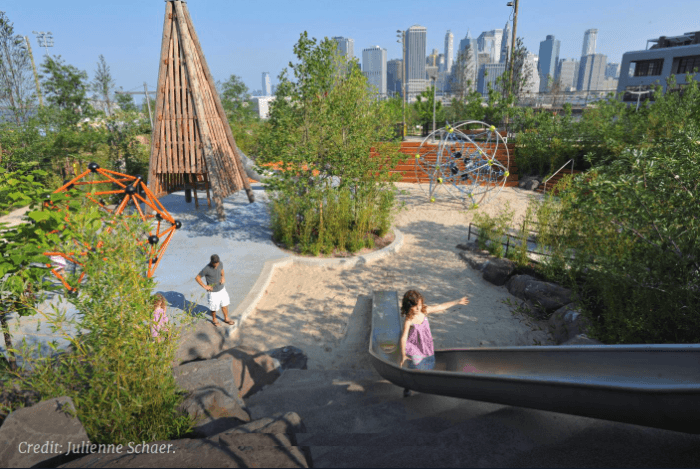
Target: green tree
{"points": [[424, 110], [235, 98], [16, 80], [125, 101], [66, 89], [103, 86]]}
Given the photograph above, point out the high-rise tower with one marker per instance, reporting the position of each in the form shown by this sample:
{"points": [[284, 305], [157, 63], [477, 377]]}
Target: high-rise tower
{"points": [[506, 43], [414, 69], [548, 60], [346, 46], [374, 68], [449, 51], [589, 40], [266, 84]]}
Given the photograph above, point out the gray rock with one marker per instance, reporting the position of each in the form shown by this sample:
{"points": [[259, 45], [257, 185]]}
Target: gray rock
{"points": [[213, 400], [528, 181], [289, 357], [549, 295], [497, 271], [476, 259], [567, 322], [265, 451], [532, 185], [33, 435], [288, 424], [252, 369], [203, 341], [582, 339]]}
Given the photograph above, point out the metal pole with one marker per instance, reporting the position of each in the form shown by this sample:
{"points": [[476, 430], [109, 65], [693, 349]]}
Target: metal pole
{"points": [[512, 45], [36, 76], [403, 79], [148, 103], [434, 89]]}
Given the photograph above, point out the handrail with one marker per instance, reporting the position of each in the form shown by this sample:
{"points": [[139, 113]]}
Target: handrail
{"points": [[544, 190]]}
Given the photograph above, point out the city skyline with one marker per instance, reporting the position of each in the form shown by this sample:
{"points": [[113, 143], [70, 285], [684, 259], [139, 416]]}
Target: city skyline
{"points": [[238, 40]]}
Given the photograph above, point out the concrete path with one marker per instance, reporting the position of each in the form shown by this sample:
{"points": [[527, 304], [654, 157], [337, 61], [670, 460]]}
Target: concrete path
{"points": [[243, 241]]}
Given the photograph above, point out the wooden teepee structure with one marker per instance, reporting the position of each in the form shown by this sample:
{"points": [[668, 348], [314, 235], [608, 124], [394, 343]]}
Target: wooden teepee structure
{"points": [[192, 140]]}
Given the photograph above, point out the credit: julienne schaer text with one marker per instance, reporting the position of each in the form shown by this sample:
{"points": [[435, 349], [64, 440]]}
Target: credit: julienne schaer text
{"points": [[85, 447]]}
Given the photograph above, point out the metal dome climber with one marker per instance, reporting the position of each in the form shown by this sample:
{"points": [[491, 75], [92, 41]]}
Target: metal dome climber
{"points": [[463, 165], [134, 192]]}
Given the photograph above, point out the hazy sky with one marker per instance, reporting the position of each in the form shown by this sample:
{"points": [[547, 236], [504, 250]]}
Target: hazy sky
{"points": [[246, 38]]}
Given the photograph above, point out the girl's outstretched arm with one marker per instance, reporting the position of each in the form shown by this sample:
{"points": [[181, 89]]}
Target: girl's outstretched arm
{"points": [[443, 306]]}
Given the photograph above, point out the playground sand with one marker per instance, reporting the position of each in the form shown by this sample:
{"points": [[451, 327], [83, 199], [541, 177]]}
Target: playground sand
{"points": [[327, 311]]}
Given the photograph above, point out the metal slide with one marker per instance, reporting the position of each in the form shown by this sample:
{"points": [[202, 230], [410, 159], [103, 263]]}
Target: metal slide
{"points": [[650, 385]]}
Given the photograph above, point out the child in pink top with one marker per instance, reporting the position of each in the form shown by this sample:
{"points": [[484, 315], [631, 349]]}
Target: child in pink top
{"points": [[160, 318], [416, 338]]}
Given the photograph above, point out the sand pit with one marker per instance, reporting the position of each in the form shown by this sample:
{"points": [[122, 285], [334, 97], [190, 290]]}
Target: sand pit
{"points": [[326, 311]]}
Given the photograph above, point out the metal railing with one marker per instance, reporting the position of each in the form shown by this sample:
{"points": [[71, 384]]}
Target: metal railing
{"points": [[544, 190]]}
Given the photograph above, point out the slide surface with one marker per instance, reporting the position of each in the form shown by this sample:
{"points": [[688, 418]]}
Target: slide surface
{"points": [[651, 385]]}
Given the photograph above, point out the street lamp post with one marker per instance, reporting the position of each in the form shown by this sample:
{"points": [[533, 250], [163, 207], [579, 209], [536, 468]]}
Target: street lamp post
{"points": [[401, 38], [45, 40], [433, 77]]}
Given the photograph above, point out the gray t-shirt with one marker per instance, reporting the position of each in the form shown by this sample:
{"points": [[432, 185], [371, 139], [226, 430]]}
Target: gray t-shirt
{"points": [[213, 276]]}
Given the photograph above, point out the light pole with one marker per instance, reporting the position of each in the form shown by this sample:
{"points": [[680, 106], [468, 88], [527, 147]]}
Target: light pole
{"points": [[433, 77], [401, 38], [45, 40]]}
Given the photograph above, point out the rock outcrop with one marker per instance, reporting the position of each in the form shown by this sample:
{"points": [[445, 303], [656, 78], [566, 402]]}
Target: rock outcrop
{"points": [[203, 341], [566, 323], [549, 296], [252, 369], [213, 399], [497, 271], [33, 436]]}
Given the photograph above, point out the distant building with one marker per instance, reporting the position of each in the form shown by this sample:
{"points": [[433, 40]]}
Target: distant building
{"points": [[506, 43], [490, 42], [488, 74], [266, 84], [394, 74], [414, 68], [262, 105], [612, 70], [374, 68], [591, 73], [567, 74], [676, 55], [589, 42], [346, 46], [548, 60], [449, 51], [533, 84]]}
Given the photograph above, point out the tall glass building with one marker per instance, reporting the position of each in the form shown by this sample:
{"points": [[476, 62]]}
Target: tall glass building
{"points": [[346, 46], [374, 68], [548, 60], [589, 40], [266, 84], [416, 38], [449, 51]]}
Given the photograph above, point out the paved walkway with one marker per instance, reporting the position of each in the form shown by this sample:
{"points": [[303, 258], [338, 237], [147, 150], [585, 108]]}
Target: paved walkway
{"points": [[243, 241]]}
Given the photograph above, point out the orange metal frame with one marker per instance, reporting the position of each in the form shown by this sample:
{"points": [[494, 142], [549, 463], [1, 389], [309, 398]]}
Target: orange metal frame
{"points": [[135, 191]]}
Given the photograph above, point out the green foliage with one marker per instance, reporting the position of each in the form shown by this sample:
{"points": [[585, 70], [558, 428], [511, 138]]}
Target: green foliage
{"points": [[103, 85], [20, 188], [321, 129], [65, 89], [119, 377], [16, 81], [492, 231], [424, 110], [126, 102], [235, 98]]}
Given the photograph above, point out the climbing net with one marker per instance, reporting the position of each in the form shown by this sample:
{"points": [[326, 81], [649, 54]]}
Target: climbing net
{"points": [[471, 167], [130, 191]]}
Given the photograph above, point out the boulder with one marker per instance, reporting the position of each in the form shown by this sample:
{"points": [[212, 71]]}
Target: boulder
{"points": [[476, 259], [252, 369], [267, 450], [203, 341], [567, 322], [497, 271], [582, 339], [34, 435], [289, 357], [529, 183], [288, 424], [468, 246], [213, 400], [549, 295]]}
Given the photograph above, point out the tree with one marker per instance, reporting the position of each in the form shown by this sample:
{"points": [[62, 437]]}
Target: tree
{"points": [[103, 85], [522, 72], [66, 89], [424, 110], [16, 81], [126, 102], [463, 78], [235, 98]]}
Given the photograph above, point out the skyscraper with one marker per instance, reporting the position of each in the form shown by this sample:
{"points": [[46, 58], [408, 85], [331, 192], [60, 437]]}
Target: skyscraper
{"points": [[548, 60], [589, 40], [490, 42], [469, 52], [266, 84], [506, 43], [346, 46], [591, 74], [567, 74], [449, 51], [415, 60], [374, 68], [394, 74], [612, 70], [488, 74]]}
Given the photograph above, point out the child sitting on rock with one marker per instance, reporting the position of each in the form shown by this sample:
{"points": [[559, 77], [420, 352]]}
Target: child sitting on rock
{"points": [[416, 338]]}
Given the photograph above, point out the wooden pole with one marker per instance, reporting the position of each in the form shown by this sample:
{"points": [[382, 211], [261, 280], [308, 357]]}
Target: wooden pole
{"points": [[36, 77], [148, 102], [220, 108], [213, 168], [157, 141]]}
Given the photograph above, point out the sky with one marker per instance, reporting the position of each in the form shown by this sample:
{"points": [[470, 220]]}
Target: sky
{"points": [[246, 38]]}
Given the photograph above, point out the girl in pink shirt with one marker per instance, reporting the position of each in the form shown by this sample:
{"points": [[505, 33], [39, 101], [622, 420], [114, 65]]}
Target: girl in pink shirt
{"points": [[416, 338], [160, 318]]}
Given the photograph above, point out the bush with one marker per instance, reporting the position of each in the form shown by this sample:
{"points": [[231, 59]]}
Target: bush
{"points": [[119, 377], [493, 230]]}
